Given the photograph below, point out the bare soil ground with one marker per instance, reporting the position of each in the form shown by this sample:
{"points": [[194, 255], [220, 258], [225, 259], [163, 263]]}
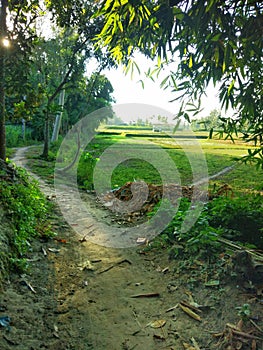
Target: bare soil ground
{"points": [[81, 296]]}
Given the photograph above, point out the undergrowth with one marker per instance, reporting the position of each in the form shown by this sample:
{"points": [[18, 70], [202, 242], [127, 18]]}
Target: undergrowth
{"points": [[239, 219], [26, 209], [16, 138]]}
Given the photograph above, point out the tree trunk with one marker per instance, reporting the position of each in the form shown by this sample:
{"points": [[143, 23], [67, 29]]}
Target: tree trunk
{"points": [[2, 78], [46, 136], [58, 117], [2, 108], [24, 129]]}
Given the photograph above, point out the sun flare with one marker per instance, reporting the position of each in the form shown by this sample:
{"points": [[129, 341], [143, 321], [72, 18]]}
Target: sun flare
{"points": [[6, 42]]}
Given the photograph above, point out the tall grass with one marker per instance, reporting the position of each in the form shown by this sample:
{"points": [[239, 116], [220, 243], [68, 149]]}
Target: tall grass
{"points": [[15, 136]]}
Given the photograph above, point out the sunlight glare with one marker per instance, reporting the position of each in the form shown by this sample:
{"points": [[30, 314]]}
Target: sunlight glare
{"points": [[6, 42]]}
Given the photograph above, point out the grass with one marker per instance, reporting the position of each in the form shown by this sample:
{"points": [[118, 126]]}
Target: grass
{"points": [[218, 154], [136, 158], [244, 178]]}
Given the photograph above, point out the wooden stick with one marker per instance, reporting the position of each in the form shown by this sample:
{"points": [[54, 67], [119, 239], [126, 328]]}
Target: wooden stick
{"points": [[114, 265], [245, 335], [146, 295]]}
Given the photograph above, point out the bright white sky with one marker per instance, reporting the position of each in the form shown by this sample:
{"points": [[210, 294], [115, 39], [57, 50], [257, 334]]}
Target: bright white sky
{"points": [[127, 90]]}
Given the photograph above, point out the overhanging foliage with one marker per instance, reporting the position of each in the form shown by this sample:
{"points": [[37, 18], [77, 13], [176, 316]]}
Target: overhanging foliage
{"points": [[214, 41]]}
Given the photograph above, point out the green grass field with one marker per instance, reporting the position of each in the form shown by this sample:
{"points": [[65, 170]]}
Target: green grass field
{"points": [[118, 159], [218, 154]]}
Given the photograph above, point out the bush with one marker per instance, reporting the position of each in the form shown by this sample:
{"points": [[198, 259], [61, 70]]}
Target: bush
{"points": [[239, 219], [26, 209]]}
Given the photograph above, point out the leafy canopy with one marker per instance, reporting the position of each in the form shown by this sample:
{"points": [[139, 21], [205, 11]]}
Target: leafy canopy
{"points": [[213, 41]]}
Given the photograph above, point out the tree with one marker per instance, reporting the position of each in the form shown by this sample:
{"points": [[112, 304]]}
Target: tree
{"points": [[22, 31], [56, 62], [58, 65], [214, 41], [211, 122], [2, 77], [16, 38], [78, 51], [90, 95]]}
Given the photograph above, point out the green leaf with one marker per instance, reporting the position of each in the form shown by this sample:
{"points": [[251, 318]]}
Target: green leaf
{"points": [[120, 26], [176, 126], [163, 83], [231, 87], [190, 65], [132, 16], [224, 67], [216, 37], [209, 5]]}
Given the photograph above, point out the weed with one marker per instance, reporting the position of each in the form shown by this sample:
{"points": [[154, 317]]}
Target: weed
{"points": [[244, 312]]}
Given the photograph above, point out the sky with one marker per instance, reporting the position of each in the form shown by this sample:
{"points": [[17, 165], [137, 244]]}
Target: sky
{"points": [[129, 90]]}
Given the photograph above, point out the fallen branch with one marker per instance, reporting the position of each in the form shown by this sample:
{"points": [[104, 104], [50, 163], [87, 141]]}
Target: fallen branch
{"points": [[44, 251], [256, 255], [245, 335], [114, 265], [189, 306], [146, 295], [84, 239], [172, 308], [256, 326], [29, 286]]}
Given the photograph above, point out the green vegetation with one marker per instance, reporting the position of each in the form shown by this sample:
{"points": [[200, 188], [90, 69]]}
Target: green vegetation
{"points": [[200, 241], [244, 178], [219, 154], [15, 137], [236, 214], [244, 312], [239, 219], [26, 209], [200, 43]]}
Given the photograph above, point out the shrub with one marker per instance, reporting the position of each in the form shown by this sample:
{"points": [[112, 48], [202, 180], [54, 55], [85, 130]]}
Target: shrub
{"points": [[240, 219], [26, 208]]}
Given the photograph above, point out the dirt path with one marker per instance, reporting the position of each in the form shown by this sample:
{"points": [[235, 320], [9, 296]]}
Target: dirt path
{"points": [[82, 298], [19, 158]]}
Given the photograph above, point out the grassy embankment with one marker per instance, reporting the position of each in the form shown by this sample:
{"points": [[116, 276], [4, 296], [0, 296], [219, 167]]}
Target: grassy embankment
{"points": [[24, 213]]}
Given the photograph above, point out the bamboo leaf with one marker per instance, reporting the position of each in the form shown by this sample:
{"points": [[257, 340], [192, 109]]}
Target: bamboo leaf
{"points": [[190, 313]]}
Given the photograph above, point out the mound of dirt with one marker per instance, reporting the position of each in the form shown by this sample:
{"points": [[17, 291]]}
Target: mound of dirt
{"points": [[136, 199]]}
